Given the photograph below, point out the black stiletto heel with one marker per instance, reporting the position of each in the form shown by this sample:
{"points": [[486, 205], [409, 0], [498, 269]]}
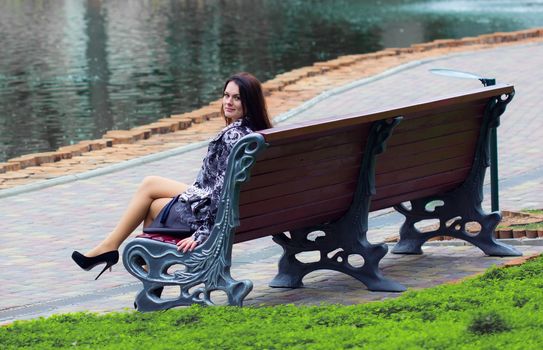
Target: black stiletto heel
{"points": [[109, 258]]}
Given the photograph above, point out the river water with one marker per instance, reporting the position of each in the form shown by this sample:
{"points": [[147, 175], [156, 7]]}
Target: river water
{"points": [[71, 70]]}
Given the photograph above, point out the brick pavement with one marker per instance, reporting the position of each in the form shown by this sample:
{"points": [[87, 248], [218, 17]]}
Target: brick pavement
{"points": [[42, 227]]}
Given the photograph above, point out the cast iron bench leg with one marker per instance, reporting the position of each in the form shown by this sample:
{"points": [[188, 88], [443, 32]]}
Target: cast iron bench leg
{"points": [[345, 237], [461, 206], [196, 282], [335, 248], [453, 219]]}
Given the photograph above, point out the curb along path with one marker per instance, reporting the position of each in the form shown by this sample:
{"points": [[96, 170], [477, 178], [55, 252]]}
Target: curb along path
{"points": [[286, 91]]}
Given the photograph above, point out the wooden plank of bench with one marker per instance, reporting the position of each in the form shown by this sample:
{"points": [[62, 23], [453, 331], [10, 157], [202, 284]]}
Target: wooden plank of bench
{"points": [[296, 199], [282, 226], [417, 148], [307, 159], [297, 213], [303, 170], [435, 132], [427, 119], [387, 202], [423, 171], [393, 161], [328, 140], [409, 186], [299, 131], [347, 175]]}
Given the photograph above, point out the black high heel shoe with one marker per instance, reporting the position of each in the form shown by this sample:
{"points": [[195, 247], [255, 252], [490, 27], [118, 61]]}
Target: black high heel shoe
{"points": [[109, 258]]}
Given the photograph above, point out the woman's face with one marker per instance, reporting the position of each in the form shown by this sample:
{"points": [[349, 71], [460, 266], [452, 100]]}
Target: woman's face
{"points": [[231, 102]]}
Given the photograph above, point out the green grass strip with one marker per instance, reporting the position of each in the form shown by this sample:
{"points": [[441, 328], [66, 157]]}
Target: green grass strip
{"points": [[533, 211], [502, 309], [534, 226]]}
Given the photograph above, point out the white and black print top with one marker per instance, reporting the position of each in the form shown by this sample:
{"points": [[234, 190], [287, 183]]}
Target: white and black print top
{"points": [[204, 194]]}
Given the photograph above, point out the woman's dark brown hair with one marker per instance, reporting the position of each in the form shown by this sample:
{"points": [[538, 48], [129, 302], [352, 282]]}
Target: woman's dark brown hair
{"points": [[252, 100]]}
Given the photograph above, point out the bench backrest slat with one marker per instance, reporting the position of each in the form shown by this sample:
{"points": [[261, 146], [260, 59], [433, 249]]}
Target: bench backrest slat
{"points": [[330, 140], [309, 172], [295, 213], [297, 178], [428, 153]]}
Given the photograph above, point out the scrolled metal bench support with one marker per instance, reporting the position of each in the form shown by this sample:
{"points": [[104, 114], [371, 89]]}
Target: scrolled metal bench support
{"points": [[345, 237], [207, 268], [454, 210]]}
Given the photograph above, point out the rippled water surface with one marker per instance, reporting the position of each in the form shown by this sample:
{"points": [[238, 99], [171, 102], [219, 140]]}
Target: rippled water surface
{"points": [[71, 70]]}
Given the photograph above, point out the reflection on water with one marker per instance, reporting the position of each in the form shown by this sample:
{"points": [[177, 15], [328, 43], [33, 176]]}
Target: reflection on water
{"points": [[73, 69]]}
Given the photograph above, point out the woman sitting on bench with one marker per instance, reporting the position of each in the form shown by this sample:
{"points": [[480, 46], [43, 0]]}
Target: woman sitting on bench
{"points": [[191, 213]]}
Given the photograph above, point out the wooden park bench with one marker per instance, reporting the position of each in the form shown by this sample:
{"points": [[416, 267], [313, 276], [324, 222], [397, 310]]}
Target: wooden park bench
{"points": [[319, 180]]}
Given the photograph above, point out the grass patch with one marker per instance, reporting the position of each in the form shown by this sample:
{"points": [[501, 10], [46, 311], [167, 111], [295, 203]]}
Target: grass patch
{"points": [[533, 226], [533, 211], [500, 309]]}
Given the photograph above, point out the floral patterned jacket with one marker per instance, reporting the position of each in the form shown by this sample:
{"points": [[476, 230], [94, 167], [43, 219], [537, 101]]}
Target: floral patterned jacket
{"points": [[204, 194]]}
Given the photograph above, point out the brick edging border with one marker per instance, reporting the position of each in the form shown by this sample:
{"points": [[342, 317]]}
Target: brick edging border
{"points": [[186, 120]]}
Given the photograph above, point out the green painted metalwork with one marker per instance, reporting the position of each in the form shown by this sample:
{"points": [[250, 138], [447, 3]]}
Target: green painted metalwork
{"points": [[494, 180], [207, 268], [494, 191], [346, 238], [454, 210]]}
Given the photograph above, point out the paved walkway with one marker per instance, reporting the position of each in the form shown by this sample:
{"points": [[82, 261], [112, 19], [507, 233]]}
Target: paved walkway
{"points": [[42, 227]]}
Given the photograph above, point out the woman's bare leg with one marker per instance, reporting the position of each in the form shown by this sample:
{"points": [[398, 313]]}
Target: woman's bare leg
{"points": [[153, 193]]}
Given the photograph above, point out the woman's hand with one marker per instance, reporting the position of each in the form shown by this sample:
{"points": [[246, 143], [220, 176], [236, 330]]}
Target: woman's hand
{"points": [[186, 244]]}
